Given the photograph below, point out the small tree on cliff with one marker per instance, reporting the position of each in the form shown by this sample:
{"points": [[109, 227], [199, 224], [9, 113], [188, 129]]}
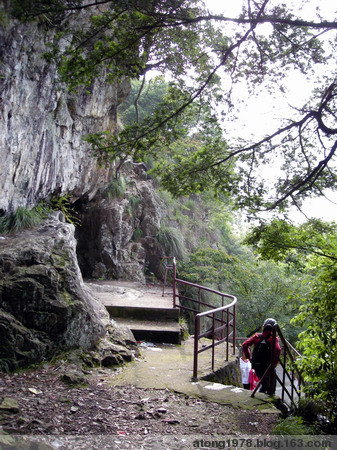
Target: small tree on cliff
{"points": [[183, 39]]}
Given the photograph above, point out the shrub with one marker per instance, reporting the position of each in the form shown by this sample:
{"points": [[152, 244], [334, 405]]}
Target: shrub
{"points": [[5, 365], [137, 234], [62, 203], [22, 218], [292, 425], [309, 409], [134, 201], [116, 188], [172, 242]]}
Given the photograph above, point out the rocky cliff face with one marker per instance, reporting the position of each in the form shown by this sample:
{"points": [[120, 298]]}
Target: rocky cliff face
{"points": [[44, 305], [43, 154], [42, 125], [117, 235]]}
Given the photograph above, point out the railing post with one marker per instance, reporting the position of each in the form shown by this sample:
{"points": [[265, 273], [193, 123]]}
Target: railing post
{"points": [[199, 299], [165, 279], [284, 372], [222, 318], [213, 349], [196, 341], [234, 329], [174, 281], [272, 378], [227, 335]]}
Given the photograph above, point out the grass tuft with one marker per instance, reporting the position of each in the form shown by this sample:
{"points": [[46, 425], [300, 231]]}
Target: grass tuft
{"points": [[172, 242], [22, 218], [292, 425]]}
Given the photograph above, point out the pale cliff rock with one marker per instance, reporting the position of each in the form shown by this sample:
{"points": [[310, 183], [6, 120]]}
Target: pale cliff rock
{"points": [[43, 154], [44, 306], [42, 125]]}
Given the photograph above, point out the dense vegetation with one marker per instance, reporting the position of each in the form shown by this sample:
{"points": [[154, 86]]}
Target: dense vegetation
{"points": [[185, 137], [208, 59], [312, 247]]}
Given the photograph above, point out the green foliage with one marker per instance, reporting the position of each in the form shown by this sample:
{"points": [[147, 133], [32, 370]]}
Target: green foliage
{"points": [[292, 425], [5, 365], [313, 247], [22, 218], [134, 201], [184, 328], [181, 39], [123, 38], [172, 242], [261, 289], [309, 409], [318, 341], [281, 241], [4, 19], [209, 267], [203, 220], [63, 204], [116, 188], [142, 100], [137, 234]]}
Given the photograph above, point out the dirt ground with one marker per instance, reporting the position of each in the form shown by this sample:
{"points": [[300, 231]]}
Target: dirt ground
{"points": [[46, 405]]}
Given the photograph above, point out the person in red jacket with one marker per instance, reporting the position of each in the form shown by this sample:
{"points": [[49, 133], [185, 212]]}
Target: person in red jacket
{"points": [[262, 355]]}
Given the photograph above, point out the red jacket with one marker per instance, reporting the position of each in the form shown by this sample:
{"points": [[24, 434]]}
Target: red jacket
{"points": [[255, 339]]}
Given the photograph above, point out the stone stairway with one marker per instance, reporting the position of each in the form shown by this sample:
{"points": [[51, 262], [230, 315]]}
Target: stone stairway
{"points": [[142, 308]]}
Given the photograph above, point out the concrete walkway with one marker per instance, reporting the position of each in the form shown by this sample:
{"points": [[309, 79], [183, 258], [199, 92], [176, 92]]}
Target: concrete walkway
{"points": [[131, 294], [170, 367]]}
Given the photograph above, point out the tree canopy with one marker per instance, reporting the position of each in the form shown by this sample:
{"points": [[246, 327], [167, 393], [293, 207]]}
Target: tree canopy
{"points": [[206, 58], [312, 248]]}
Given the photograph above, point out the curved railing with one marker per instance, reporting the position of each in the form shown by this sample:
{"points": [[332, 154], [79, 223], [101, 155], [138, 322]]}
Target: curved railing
{"points": [[223, 332], [222, 318], [222, 329]]}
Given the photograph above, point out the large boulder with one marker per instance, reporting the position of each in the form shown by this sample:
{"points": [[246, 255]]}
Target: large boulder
{"points": [[45, 307]]}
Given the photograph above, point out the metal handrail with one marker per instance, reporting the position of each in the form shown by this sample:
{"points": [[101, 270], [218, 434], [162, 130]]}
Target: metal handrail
{"points": [[224, 324], [168, 267], [224, 329]]}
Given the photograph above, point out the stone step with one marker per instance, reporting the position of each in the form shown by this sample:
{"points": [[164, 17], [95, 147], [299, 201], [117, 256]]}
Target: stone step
{"points": [[165, 331], [142, 312]]}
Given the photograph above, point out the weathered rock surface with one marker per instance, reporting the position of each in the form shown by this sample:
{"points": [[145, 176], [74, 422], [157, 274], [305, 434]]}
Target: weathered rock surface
{"points": [[228, 375], [117, 236], [42, 125], [44, 305]]}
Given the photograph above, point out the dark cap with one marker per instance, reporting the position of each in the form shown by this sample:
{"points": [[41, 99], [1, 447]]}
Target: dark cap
{"points": [[269, 323]]}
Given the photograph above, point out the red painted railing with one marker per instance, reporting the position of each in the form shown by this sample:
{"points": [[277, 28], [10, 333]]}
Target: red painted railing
{"points": [[222, 318], [223, 325]]}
